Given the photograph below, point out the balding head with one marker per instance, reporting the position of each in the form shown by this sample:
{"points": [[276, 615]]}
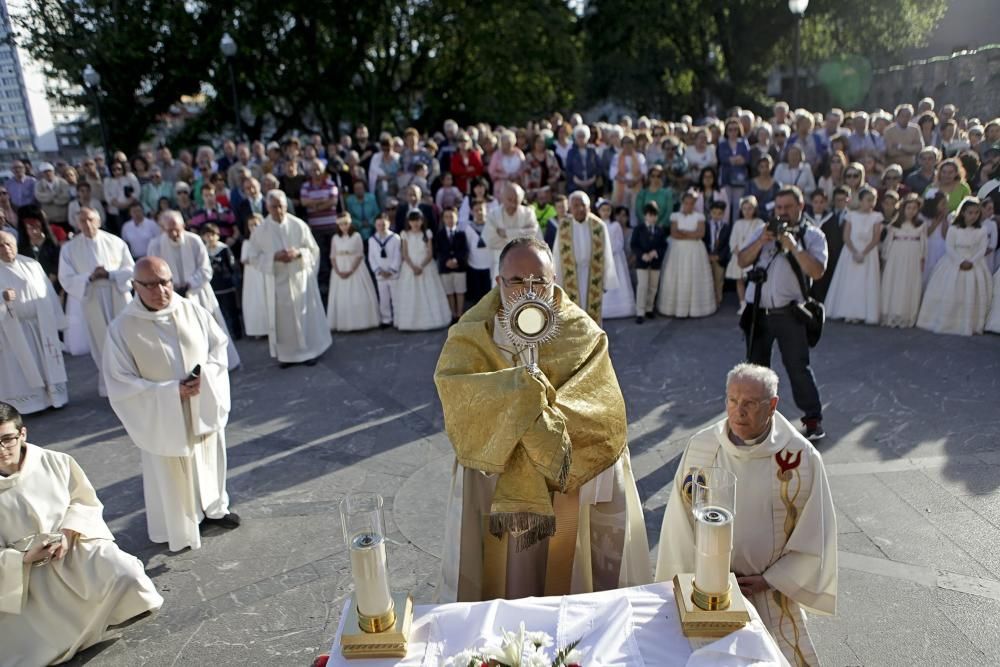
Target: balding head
{"points": [[8, 247], [153, 282]]}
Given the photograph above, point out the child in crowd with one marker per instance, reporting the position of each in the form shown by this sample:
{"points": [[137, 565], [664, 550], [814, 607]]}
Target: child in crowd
{"points": [[618, 302], [744, 229], [352, 304], [649, 245], [385, 258], [686, 286], [254, 313], [960, 290], [451, 248], [480, 256], [421, 303], [905, 249], [224, 278], [448, 196], [856, 287], [717, 232]]}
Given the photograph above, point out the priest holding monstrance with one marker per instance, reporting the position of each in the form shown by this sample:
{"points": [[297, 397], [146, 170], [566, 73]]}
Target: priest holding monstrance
{"points": [[543, 499]]}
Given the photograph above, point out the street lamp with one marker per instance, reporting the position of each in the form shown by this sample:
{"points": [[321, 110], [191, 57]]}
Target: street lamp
{"points": [[798, 9], [92, 79], [228, 47]]}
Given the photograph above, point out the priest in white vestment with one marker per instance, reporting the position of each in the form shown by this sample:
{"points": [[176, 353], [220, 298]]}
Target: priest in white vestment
{"points": [[63, 580], [283, 249], [32, 371], [511, 220], [785, 528], [191, 268], [543, 500], [165, 367], [96, 268], [583, 256]]}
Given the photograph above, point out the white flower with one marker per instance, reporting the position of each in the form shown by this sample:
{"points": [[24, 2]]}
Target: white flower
{"points": [[462, 659], [539, 639], [574, 657]]}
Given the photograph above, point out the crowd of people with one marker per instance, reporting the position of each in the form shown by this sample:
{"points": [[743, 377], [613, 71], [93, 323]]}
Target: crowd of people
{"points": [[407, 231]]}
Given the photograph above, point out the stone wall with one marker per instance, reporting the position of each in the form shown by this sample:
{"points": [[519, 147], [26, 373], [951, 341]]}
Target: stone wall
{"points": [[968, 79]]}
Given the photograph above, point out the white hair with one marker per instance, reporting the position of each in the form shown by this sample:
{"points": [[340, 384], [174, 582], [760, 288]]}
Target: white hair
{"points": [[761, 375], [576, 119], [450, 126], [582, 130], [171, 216], [276, 195], [582, 196]]}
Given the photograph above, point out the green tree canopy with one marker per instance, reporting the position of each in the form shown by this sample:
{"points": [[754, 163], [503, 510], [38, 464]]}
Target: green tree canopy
{"points": [[303, 65]]}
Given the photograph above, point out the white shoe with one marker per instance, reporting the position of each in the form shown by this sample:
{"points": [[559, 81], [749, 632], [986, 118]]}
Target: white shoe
{"points": [[743, 307]]}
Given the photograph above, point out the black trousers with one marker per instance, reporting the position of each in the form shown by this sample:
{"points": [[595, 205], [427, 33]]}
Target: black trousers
{"points": [[324, 238], [478, 285], [785, 327]]}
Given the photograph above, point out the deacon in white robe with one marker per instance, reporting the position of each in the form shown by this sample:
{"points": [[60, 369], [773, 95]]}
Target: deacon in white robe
{"points": [[283, 249], [584, 237], [174, 415], [32, 372], [254, 312], [186, 255], [785, 529], [507, 222], [81, 584], [493, 406], [96, 268]]}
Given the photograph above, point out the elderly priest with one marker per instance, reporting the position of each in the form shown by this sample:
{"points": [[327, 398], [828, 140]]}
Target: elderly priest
{"points": [[32, 372], [543, 500], [95, 267], [283, 249], [785, 529], [63, 580], [165, 368]]}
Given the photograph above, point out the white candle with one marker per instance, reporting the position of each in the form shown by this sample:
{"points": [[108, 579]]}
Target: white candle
{"points": [[371, 578], [713, 549]]}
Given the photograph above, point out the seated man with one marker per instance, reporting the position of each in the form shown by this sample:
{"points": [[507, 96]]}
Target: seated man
{"points": [[81, 582], [543, 499], [785, 529]]}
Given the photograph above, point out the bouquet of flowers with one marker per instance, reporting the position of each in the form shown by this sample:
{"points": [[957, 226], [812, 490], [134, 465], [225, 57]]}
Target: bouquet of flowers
{"points": [[519, 649]]}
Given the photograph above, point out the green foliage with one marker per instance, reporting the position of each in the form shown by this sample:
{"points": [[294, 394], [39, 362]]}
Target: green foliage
{"points": [[310, 65]]}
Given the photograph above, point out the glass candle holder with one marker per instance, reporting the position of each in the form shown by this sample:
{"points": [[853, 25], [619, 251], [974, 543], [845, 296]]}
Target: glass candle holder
{"points": [[713, 505], [363, 523]]}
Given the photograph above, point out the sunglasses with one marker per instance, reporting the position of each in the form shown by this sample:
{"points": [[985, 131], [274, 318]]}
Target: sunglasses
{"points": [[852, 174]]}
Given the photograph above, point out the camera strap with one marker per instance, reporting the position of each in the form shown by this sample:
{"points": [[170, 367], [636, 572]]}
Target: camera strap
{"points": [[801, 235]]}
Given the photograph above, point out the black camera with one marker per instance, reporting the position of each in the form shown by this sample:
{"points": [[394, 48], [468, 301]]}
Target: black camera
{"points": [[777, 226], [758, 275]]}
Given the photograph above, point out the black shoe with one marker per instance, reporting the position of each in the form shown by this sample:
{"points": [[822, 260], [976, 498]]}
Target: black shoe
{"points": [[285, 364], [228, 522], [813, 430], [651, 315], [311, 362], [639, 320], [384, 325]]}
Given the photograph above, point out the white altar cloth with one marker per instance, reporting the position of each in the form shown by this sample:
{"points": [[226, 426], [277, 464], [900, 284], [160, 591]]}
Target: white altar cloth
{"points": [[440, 631]]}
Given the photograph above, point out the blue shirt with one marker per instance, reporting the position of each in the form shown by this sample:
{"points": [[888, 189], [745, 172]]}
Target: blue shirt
{"points": [[782, 286]]}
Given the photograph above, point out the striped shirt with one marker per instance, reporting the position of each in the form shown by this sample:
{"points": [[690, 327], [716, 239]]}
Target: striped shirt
{"points": [[320, 217]]}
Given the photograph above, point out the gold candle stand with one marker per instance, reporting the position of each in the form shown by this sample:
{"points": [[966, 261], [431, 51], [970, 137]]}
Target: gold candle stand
{"points": [[709, 615], [383, 636]]}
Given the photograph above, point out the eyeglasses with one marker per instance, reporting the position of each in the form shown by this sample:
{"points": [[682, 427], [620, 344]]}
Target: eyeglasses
{"points": [[10, 441], [852, 174], [153, 284], [518, 283], [746, 405]]}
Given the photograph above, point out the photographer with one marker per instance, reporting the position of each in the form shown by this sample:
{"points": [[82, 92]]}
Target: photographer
{"points": [[788, 243]]}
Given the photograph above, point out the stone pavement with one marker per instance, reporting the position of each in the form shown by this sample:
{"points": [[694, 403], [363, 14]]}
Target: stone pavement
{"points": [[912, 455]]}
